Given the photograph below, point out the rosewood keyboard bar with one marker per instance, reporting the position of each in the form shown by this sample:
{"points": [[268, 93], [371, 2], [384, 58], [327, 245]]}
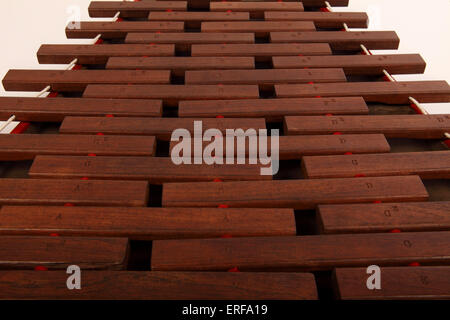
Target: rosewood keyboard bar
{"points": [[137, 9], [112, 30], [338, 40], [77, 80], [393, 126], [27, 146], [323, 252], [23, 252], [99, 54], [272, 109], [428, 165], [268, 77], [172, 94], [257, 9], [319, 4], [134, 285], [178, 65], [54, 110], [260, 28], [162, 128], [62, 192], [384, 217], [383, 92], [261, 51], [146, 223], [295, 147], [297, 194], [322, 19], [357, 64], [152, 169], [184, 41], [193, 20], [205, 4], [401, 283]]}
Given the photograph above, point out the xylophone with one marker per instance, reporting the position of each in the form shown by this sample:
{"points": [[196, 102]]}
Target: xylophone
{"points": [[88, 180]]}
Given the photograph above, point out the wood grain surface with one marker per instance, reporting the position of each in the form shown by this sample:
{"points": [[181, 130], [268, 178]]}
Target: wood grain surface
{"points": [[162, 128], [74, 192], [114, 30], [357, 64], [146, 223], [298, 194], [338, 40], [272, 109], [25, 252], [427, 165], [99, 54], [27, 146], [78, 80], [383, 92], [55, 110], [134, 285], [323, 252], [322, 19], [384, 217], [152, 169], [399, 283], [136, 9], [396, 126]]}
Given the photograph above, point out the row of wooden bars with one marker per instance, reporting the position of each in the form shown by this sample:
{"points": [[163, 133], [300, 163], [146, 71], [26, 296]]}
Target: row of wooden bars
{"points": [[363, 179]]}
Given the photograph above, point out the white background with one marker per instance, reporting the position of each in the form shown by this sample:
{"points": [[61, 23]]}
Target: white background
{"points": [[423, 27]]}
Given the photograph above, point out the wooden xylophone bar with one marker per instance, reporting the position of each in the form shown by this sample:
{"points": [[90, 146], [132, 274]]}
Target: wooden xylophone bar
{"points": [[99, 54], [94, 181]]}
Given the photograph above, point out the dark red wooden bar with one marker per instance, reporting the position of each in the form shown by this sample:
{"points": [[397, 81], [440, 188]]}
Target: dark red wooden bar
{"points": [[399, 283], [295, 147], [338, 40], [178, 65], [320, 4], [146, 223], [357, 64], [55, 110], [382, 91], [384, 217], [172, 94], [260, 28], [27, 146], [194, 19], [82, 192], [324, 252], [152, 169], [184, 41], [77, 80], [111, 30], [99, 54], [272, 109], [297, 194], [134, 285], [261, 51], [313, 4], [322, 19], [264, 76], [24, 252], [396, 126], [162, 128], [256, 8], [428, 165], [130, 9]]}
